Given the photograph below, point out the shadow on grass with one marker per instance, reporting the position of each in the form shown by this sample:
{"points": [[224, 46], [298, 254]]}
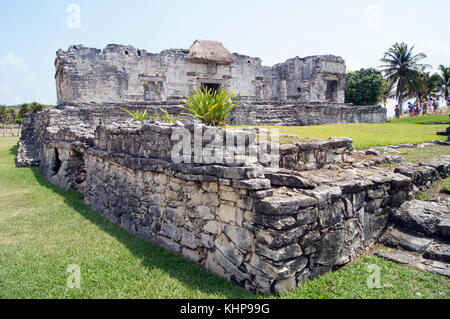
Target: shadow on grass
{"points": [[13, 151], [150, 254]]}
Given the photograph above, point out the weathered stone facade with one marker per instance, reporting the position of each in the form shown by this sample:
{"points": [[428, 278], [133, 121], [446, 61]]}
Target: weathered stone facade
{"points": [[300, 91], [265, 228], [271, 218], [125, 74]]}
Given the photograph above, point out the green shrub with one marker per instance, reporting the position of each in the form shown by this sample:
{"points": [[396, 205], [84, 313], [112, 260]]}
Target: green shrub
{"points": [[445, 187], [138, 115], [166, 117], [423, 197], [211, 107]]}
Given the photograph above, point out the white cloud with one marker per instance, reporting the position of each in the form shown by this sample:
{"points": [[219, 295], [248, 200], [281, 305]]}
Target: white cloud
{"points": [[10, 59]]}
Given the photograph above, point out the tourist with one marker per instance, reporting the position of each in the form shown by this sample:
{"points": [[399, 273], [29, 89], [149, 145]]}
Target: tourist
{"points": [[410, 108], [397, 112], [435, 106], [424, 107]]}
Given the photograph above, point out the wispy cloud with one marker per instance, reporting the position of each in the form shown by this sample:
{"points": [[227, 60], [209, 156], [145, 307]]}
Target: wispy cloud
{"points": [[10, 59]]}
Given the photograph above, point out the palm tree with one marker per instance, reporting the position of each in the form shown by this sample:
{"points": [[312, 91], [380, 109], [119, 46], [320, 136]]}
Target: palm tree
{"points": [[444, 82], [425, 86], [401, 67]]}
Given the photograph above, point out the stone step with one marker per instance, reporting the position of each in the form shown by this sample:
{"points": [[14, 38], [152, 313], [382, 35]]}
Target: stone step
{"points": [[416, 261], [426, 218], [406, 240]]}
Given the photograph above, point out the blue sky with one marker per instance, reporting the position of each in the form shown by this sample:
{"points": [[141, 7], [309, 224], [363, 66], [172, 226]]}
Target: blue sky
{"points": [[31, 31]]}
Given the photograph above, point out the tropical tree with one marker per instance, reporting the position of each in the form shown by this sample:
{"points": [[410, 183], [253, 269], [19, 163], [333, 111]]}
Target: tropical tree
{"points": [[401, 68], [363, 87], [3, 117], [425, 86], [36, 107], [386, 92], [24, 109], [444, 82], [27, 108], [19, 122]]}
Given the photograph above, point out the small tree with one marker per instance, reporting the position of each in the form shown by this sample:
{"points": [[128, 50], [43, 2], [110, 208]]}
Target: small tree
{"points": [[37, 107], [3, 117], [19, 122], [386, 93], [444, 82], [24, 109], [363, 87]]}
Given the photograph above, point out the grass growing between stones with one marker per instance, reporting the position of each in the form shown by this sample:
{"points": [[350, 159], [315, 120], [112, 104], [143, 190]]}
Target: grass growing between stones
{"points": [[43, 230], [416, 155], [398, 131]]}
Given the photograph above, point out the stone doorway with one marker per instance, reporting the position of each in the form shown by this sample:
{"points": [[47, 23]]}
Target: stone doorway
{"points": [[331, 92], [213, 86]]}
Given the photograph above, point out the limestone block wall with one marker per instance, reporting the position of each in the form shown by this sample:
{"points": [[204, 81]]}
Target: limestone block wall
{"points": [[120, 73], [263, 228], [298, 114]]}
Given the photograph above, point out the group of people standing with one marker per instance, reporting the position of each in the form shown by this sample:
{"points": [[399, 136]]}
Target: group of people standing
{"points": [[430, 106], [424, 107]]}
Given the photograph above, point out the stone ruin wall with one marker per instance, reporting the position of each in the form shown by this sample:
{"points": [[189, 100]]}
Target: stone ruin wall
{"points": [[300, 91], [263, 228]]}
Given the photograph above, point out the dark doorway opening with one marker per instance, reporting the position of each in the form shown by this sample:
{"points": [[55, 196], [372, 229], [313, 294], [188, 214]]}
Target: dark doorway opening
{"points": [[331, 92], [213, 86], [57, 162]]}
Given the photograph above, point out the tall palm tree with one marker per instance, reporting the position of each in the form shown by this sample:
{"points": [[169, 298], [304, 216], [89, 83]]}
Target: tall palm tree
{"points": [[444, 82], [401, 67]]}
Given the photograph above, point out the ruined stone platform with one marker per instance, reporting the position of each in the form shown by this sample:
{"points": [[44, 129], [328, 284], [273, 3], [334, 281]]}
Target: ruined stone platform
{"points": [[420, 237], [265, 227]]}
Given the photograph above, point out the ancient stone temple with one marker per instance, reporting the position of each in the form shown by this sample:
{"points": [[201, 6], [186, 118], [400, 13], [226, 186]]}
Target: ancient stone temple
{"points": [[300, 91], [268, 220]]}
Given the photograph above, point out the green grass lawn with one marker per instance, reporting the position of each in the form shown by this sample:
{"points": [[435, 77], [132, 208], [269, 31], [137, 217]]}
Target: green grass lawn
{"points": [[44, 229], [399, 131]]}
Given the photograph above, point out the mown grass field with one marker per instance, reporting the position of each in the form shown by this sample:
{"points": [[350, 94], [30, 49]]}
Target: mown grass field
{"points": [[398, 131], [43, 230]]}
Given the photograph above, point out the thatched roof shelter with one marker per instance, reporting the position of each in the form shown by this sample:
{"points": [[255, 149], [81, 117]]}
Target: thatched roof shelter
{"points": [[209, 51]]}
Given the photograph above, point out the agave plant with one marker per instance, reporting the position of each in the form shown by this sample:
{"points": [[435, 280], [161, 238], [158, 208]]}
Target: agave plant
{"points": [[138, 115], [211, 107], [165, 117]]}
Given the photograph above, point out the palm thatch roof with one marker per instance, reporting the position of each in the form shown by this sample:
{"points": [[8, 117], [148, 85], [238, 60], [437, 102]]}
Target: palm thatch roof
{"points": [[209, 51]]}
